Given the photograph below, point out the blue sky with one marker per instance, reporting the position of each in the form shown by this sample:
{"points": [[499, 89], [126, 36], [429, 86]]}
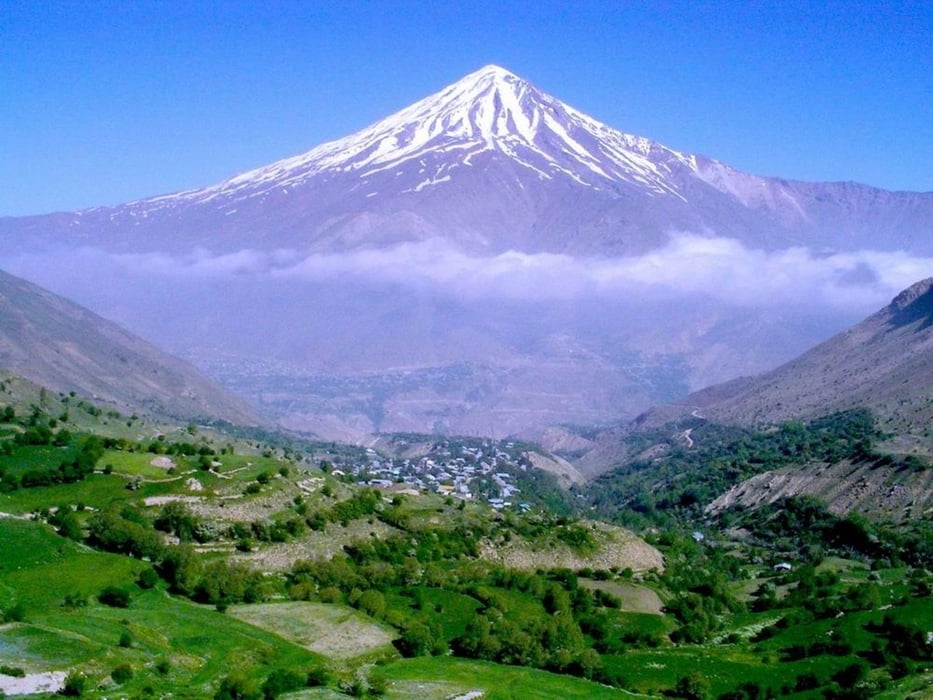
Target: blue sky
{"points": [[103, 102]]}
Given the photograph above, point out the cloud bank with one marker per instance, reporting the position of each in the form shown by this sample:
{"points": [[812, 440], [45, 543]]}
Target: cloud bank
{"points": [[721, 269]]}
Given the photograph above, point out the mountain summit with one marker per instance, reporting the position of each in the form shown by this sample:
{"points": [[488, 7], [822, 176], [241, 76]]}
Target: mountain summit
{"points": [[489, 164], [489, 111]]}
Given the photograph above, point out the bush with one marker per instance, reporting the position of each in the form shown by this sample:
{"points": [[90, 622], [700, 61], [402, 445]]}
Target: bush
{"points": [[15, 613], [317, 677], [126, 639], [14, 671], [378, 685], [148, 578], [692, 687], [75, 685], [236, 688], [115, 597], [122, 673], [281, 681]]}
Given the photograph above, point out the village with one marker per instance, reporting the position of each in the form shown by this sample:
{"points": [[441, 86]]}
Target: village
{"points": [[482, 470]]}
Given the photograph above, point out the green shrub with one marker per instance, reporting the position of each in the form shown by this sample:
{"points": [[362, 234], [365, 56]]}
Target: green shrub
{"points": [[114, 596], [122, 673], [75, 685], [148, 578], [317, 677], [281, 681], [15, 613], [236, 688]]}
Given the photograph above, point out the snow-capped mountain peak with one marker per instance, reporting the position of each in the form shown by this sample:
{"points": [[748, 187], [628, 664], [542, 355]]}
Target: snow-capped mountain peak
{"points": [[491, 110]]}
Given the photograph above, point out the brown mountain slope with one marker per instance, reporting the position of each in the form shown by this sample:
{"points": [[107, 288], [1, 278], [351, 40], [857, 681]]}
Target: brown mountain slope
{"points": [[885, 363], [878, 491], [65, 347]]}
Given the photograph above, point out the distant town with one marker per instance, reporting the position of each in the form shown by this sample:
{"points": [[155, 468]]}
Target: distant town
{"points": [[484, 470]]}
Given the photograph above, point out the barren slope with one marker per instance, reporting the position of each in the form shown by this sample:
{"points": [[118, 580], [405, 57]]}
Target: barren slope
{"points": [[65, 347]]}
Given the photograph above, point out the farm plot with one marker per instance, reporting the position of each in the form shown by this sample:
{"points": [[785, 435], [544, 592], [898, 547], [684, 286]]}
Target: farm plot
{"points": [[335, 631]]}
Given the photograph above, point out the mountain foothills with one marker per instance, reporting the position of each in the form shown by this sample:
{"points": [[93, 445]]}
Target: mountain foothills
{"points": [[66, 348], [488, 260], [146, 559]]}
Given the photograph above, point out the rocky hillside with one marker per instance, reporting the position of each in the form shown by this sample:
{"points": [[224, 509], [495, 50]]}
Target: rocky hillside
{"points": [[884, 363], [62, 346], [894, 494]]}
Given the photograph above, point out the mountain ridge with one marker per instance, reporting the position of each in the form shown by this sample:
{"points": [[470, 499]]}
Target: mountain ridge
{"points": [[65, 347], [882, 363]]}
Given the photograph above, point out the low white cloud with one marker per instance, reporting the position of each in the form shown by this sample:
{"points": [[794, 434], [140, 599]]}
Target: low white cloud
{"points": [[722, 269]]}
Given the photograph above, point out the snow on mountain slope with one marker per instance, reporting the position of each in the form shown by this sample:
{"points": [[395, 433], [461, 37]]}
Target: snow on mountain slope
{"points": [[488, 110], [491, 164]]}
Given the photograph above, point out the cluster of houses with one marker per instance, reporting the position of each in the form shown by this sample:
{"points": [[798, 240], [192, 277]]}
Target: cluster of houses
{"points": [[474, 470]]}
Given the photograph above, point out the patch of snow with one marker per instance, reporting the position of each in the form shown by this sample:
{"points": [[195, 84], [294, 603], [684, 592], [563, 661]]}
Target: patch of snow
{"points": [[33, 683]]}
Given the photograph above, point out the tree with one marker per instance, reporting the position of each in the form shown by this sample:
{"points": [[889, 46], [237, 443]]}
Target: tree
{"points": [[122, 673], [372, 602], [692, 687], [281, 681], [148, 578], [67, 523], [235, 687], [416, 640]]}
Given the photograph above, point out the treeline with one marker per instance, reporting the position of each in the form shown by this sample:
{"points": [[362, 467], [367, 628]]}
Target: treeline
{"points": [[128, 531], [804, 526], [542, 619], [676, 486], [85, 453]]}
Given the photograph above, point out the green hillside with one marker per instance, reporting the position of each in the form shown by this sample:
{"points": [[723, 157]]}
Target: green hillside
{"points": [[147, 560]]}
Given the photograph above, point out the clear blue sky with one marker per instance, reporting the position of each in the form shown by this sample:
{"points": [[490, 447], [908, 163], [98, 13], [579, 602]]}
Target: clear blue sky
{"points": [[102, 102]]}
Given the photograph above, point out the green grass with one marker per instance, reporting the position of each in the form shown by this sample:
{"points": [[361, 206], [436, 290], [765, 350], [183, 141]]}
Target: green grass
{"points": [[24, 543], [135, 464], [724, 667], [452, 610], [38, 649], [518, 607], [634, 597], [445, 677], [850, 627], [337, 632], [32, 457], [98, 490], [39, 568], [657, 626], [200, 644]]}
